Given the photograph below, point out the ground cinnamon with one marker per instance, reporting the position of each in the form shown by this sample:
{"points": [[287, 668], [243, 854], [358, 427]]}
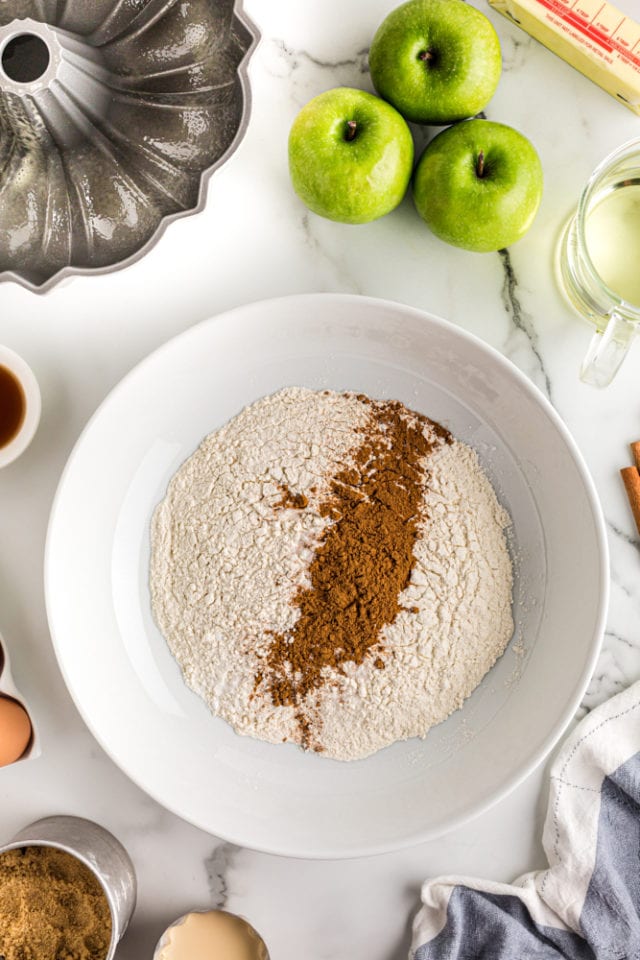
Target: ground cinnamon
{"points": [[291, 500], [51, 907], [364, 561]]}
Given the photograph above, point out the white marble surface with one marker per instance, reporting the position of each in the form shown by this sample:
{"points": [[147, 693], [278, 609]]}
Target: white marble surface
{"points": [[255, 240]]}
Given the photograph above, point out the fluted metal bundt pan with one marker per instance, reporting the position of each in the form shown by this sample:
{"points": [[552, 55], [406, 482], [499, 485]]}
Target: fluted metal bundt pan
{"points": [[112, 114]]}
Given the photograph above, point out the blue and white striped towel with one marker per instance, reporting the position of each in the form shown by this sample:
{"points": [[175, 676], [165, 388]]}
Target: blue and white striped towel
{"points": [[586, 904]]}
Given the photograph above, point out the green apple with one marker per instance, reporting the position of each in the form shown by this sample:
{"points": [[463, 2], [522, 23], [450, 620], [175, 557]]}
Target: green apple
{"points": [[436, 61], [350, 156], [478, 185]]}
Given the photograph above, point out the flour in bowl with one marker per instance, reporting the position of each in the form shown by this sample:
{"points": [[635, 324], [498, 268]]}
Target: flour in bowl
{"points": [[332, 571]]}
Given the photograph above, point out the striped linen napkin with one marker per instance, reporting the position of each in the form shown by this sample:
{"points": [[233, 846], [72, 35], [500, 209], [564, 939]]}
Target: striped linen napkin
{"points": [[586, 904]]}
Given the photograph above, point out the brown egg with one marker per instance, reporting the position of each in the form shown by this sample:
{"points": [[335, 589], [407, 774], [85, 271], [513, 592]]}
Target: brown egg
{"points": [[15, 731]]}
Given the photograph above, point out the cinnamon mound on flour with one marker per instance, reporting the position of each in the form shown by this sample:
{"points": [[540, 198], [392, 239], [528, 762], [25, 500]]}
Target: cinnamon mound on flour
{"points": [[332, 570]]}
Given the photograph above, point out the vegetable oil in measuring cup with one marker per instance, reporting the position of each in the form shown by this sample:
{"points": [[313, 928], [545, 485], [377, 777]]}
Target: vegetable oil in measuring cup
{"points": [[612, 234]]}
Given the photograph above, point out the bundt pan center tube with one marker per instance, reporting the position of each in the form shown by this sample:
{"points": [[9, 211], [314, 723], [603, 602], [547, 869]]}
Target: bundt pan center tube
{"points": [[113, 113]]}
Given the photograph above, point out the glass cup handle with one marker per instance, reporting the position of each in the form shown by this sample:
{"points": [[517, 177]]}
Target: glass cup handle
{"points": [[607, 350]]}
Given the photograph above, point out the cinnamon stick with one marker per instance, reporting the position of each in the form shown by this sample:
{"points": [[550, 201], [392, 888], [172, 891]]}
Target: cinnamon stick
{"points": [[631, 478], [635, 450]]}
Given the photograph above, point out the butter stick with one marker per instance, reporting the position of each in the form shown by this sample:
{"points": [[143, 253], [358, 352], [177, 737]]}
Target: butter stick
{"points": [[594, 37]]}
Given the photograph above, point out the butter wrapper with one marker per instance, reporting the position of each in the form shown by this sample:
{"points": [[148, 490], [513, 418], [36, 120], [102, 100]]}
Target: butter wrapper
{"points": [[594, 37]]}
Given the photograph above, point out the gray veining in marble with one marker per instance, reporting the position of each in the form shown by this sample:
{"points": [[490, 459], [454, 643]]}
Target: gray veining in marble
{"points": [[521, 320], [218, 866]]}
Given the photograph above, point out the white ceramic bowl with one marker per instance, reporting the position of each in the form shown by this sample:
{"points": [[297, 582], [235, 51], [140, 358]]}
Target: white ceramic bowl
{"points": [[130, 690], [25, 376]]}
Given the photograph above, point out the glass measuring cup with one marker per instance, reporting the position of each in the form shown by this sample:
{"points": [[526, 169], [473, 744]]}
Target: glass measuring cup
{"points": [[599, 261]]}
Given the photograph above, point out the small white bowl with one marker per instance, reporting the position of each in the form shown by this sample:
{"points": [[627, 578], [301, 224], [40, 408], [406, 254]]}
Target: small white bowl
{"points": [[26, 378]]}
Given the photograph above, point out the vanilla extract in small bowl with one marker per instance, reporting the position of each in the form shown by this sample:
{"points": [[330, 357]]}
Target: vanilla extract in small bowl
{"points": [[13, 406], [19, 405]]}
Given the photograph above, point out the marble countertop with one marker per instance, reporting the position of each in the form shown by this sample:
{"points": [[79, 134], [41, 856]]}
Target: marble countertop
{"points": [[255, 240]]}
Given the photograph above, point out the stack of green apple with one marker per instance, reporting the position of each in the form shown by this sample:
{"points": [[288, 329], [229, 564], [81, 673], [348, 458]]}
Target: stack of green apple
{"points": [[478, 183]]}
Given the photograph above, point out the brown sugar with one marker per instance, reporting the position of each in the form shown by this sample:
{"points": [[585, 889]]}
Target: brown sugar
{"points": [[52, 907]]}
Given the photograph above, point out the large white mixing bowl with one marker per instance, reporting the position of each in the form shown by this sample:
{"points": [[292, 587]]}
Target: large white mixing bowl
{"points": [[126, 683]]}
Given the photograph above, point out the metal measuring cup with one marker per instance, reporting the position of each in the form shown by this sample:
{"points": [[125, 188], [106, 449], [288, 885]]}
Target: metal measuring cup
{"points": [[100, 852]]}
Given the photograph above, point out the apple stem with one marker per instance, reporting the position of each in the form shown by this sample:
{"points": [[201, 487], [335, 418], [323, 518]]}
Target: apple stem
{"points": [[350, 132], [425, 55], [480, 164]]}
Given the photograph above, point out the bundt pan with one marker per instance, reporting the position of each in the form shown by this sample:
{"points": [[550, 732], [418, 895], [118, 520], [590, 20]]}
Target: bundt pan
{"points": [[112, 114]]}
